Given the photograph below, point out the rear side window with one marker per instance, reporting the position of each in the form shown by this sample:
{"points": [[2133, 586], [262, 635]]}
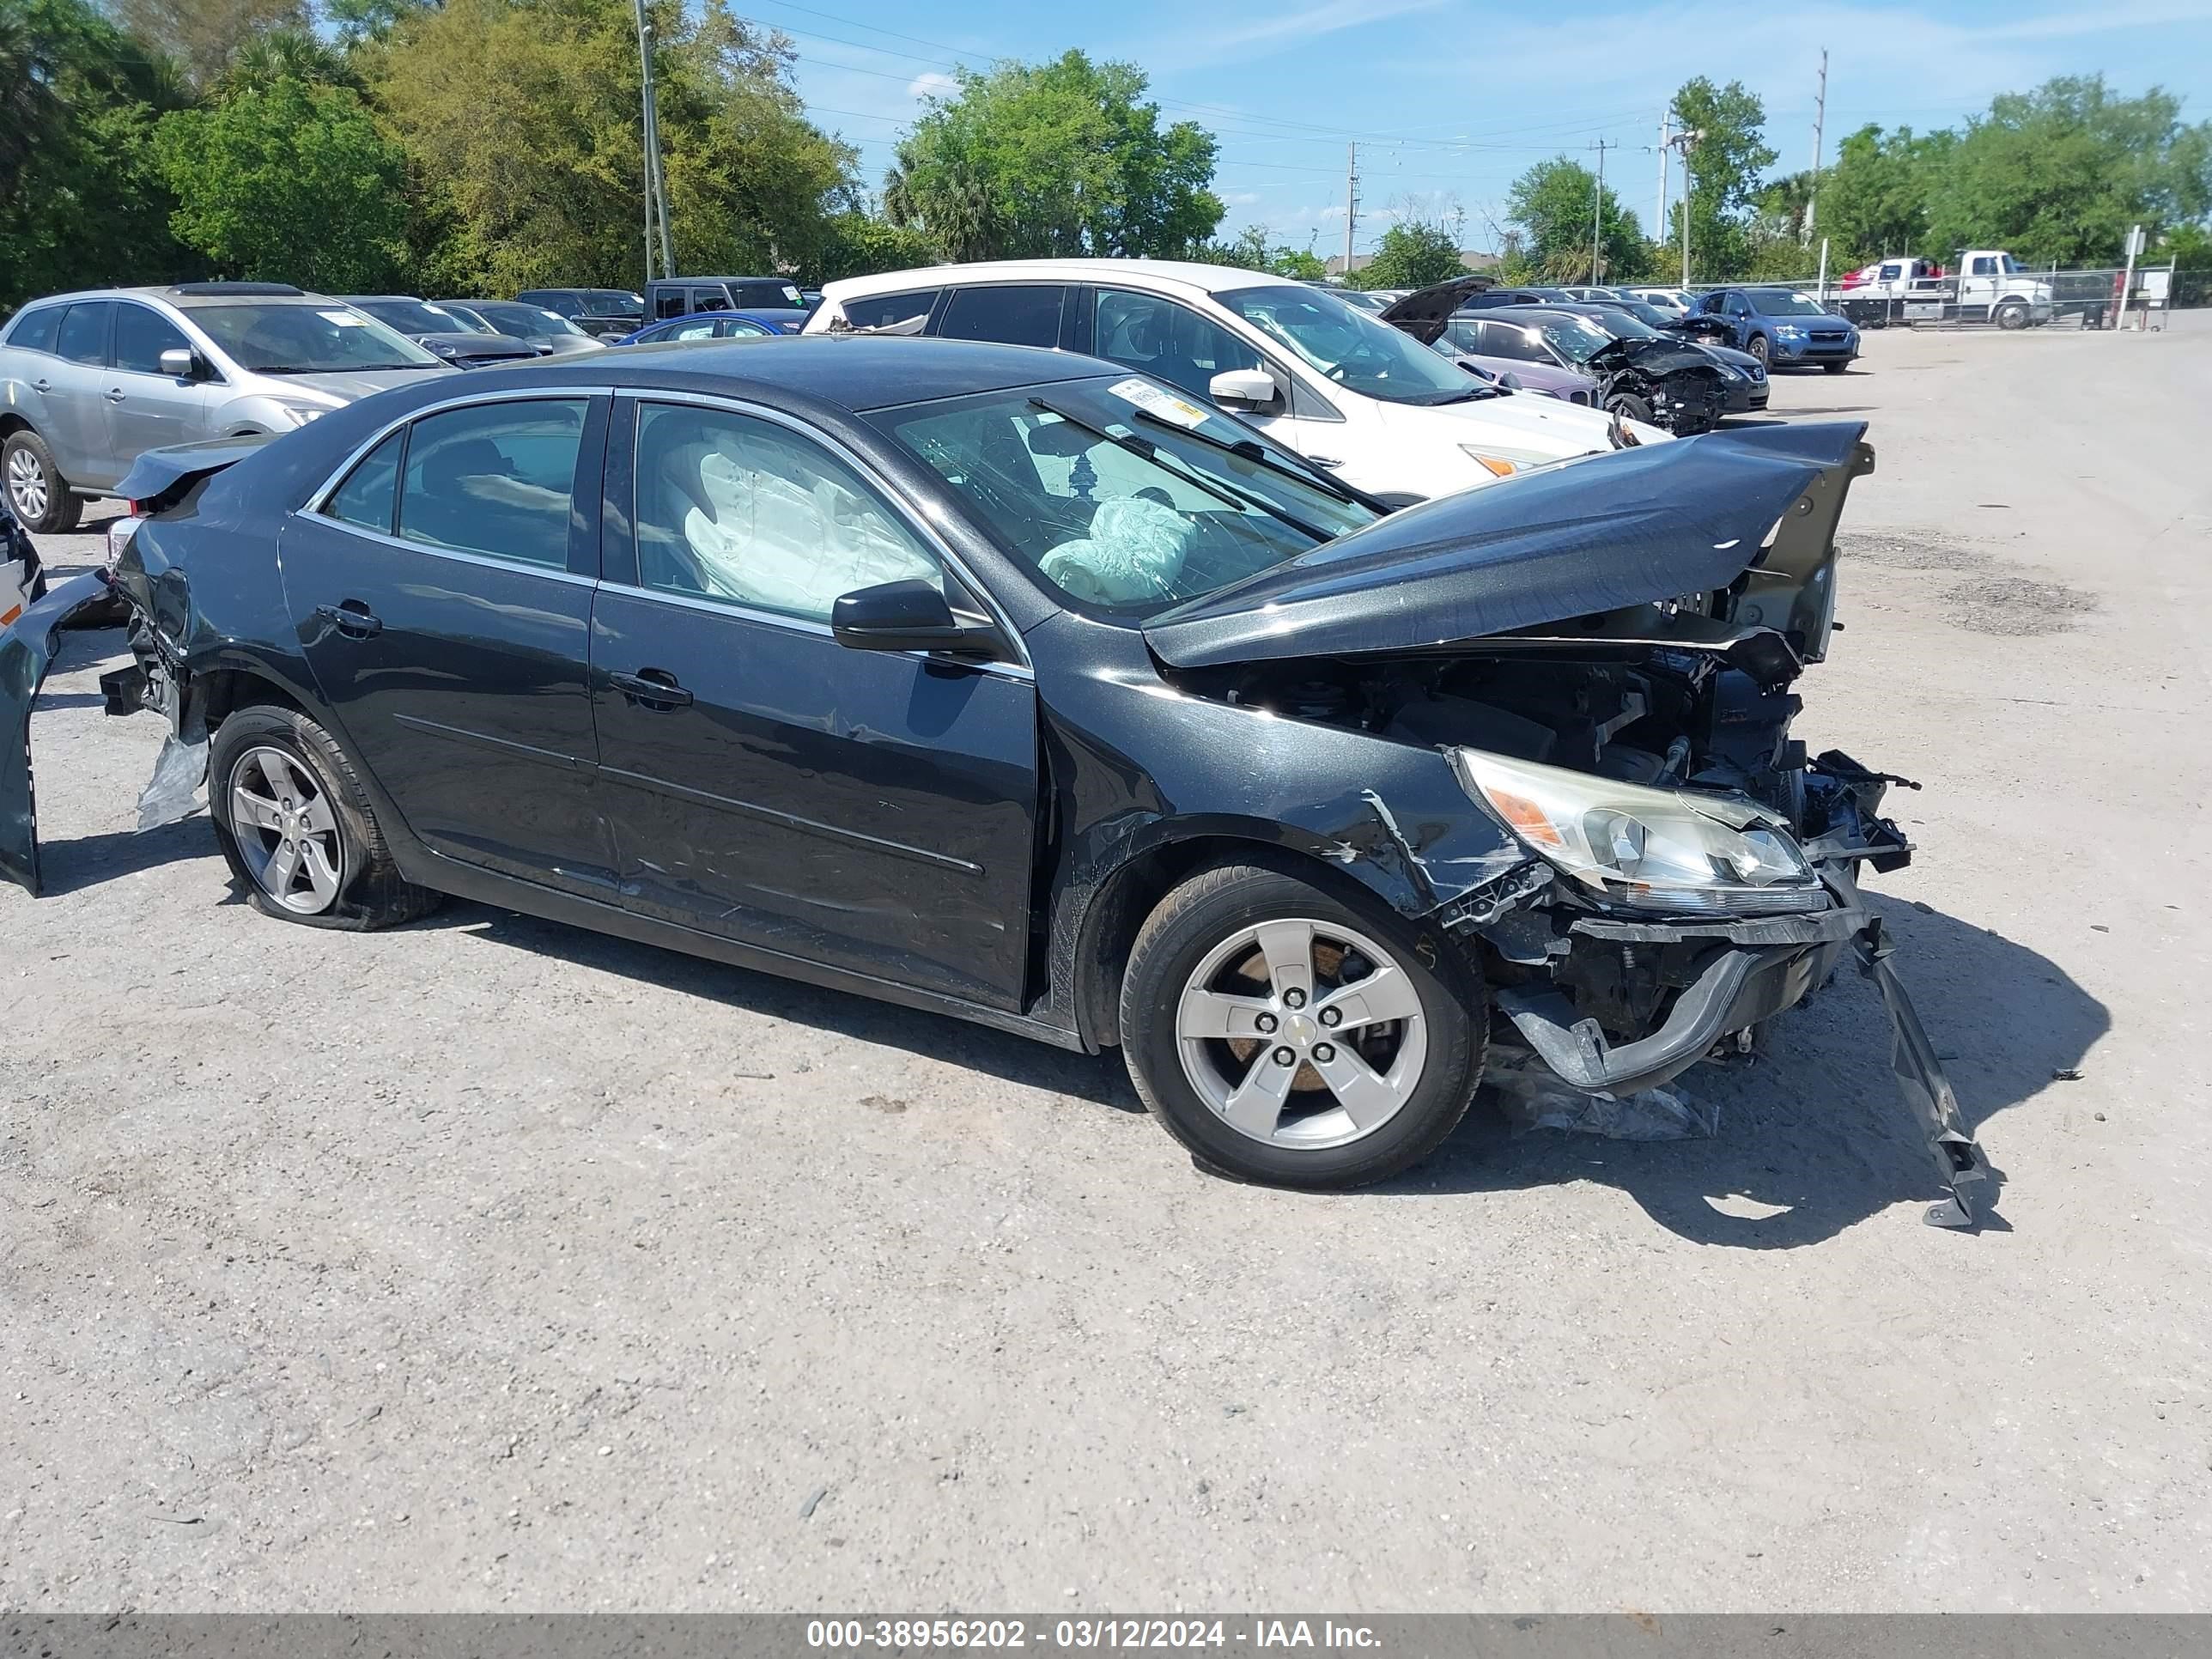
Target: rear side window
{"points": [[1019, 314], [35, 330], [367, 497], [710, 299], [770, 296], [83, 338], [668, 302], [496, 479], [142, 336], [884, 310]]}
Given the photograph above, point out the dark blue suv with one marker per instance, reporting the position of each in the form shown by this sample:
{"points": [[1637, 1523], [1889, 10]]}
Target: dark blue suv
{"points": [[1782, 327]]}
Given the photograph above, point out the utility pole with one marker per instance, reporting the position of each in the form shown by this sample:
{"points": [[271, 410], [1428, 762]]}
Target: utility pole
{"points": [[1666, 136], [1685, 140], [1598, 217], [656, 187], [1820, 120], [1351, 205]]}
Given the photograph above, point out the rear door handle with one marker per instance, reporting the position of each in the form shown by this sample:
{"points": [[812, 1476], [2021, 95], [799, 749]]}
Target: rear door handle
{"points": [[115, 394], [655, 688], [38, 385], [353, 619]]}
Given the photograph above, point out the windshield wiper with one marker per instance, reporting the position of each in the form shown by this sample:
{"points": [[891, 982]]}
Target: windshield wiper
{"points": [[1305, 473], [1220, 490]]}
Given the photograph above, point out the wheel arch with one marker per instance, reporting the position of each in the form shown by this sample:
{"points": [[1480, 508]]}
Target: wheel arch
{"points": [[1120, 900]]}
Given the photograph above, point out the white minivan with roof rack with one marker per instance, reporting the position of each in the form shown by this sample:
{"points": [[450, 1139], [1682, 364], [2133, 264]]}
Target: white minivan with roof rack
{"points": [[89, 380], [1342, 388]]}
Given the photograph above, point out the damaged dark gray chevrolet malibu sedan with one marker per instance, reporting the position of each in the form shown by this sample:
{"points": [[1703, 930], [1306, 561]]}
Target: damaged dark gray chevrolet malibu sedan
{"points": [[1010, 684]]}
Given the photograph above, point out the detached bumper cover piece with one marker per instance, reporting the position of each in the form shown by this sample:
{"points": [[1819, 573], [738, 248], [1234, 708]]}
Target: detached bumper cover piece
{"points": [[1757, 969], [26, 652]]}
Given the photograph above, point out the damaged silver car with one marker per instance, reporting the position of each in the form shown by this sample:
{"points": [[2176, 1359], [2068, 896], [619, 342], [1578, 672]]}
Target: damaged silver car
{"points": [[1015, 686]]}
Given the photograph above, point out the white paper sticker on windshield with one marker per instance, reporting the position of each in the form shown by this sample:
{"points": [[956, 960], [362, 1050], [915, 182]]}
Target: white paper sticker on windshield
{"points": [[1163, 404], [344, 318]]}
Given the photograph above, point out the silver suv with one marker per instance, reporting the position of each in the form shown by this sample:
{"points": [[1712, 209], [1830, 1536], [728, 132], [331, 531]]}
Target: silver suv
{"points": [[88, 380]]}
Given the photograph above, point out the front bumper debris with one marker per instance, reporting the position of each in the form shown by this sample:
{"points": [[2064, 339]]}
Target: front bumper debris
{"points": [[26, 652], [1754, 970]]}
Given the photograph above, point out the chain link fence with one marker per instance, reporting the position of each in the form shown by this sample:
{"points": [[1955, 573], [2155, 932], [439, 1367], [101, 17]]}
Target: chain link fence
{"points": [[2090, 297]]}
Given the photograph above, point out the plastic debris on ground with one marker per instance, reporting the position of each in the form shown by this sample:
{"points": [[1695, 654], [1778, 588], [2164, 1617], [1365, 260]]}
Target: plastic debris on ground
{"points": [[173, 791], [1533, 1097]]}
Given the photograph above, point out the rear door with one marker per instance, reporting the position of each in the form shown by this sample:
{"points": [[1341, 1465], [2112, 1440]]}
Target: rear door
{"points": [[75, 395], [1011, 313], [443, 589], [146, 408], [873, 811]]}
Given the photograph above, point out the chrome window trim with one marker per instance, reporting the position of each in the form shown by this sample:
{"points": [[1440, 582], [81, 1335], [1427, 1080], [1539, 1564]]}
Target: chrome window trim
{"points": [[457, 555], [911, 512]]}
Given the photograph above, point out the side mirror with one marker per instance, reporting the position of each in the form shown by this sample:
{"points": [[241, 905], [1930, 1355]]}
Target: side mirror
{"points": [[909, 616], [179, 364], [1510, 380], [1251, 389]]}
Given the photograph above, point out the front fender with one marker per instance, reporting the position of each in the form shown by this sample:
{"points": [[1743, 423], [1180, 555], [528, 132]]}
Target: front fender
{"points": [[26, 652]]}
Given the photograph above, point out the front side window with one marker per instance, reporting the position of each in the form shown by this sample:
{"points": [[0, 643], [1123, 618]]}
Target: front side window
{"points": [[710, 299], [36, 329], [741, 510], [494, 478], [668, 302], [1513, 341], [370, 489], [141, 334], [1016, 313], [83, 338], [1168, 340], [1351, 349], [888, 310], [307, 339], [1124, 496]]}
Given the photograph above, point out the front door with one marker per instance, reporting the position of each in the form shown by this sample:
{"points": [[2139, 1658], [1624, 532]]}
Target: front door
{"points": [[872, 810], [146, 408], [443, 592]]}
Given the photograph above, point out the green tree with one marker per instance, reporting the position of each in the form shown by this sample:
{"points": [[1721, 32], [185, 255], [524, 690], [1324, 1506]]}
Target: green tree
{"points": [[356, 21], [1551, 203], [1412, 253], [204, 36], [1874, 201], [860, 244], [81, 202], [287, 181], [2058, 175], [1058, 158], [1726, 162], [1249, 249], [527, 168]]}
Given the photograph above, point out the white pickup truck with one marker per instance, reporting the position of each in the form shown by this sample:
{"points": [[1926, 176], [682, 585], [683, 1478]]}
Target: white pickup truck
{"points": [[1991, 287]]}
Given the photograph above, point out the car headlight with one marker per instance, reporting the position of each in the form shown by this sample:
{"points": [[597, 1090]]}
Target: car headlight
{"points": [[1502, 463], [1790, 330], [299, 414], [1649, 849]]}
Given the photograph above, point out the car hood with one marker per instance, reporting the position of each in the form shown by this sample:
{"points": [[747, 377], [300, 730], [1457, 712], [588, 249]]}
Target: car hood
{"points": [[1539, 427], [344, 387], [1664, 356], [1534, 377], [1424, 313], [1631, 528], [570, 346]]}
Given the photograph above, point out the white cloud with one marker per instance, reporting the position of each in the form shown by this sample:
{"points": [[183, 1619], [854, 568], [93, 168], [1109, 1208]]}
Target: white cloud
{"points": [[932, 83]]}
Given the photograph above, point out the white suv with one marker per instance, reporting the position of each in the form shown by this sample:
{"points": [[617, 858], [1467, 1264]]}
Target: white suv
{"points": [[1347, 392]]}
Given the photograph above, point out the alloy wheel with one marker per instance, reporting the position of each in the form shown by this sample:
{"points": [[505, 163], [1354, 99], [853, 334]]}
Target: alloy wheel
{"points": [[1302, 1034], [28, 489], [288, 835]]}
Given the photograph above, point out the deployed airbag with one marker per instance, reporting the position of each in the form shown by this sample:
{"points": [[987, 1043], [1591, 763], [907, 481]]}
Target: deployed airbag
{"points": [[775, 542], [1134, 552]]}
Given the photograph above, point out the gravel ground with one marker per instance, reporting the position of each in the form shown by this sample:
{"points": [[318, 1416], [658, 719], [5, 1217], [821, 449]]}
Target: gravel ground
{"points": [[486, 1263]]}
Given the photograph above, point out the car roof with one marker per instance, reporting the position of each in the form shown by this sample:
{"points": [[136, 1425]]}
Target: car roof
{"points": [[665, 282], [853, 372], [1182, 273], [185, 296]]}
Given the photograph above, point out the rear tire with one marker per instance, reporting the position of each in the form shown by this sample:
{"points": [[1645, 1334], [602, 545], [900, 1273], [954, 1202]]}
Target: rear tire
{"points": [[296, 827], [36, 488], [1299, 1034]]}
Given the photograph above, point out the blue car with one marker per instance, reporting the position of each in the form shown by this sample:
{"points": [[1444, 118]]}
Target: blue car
{"points": [[719, 326], [1782, 328]]}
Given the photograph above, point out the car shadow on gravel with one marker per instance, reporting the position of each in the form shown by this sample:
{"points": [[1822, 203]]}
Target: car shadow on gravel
{"points": [[1813, 1136], [1099, 1078], [67, 866]]}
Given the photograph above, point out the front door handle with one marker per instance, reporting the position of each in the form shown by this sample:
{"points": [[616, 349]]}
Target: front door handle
{"points": [[353, 619], [38, 385], [115, 394], [655, 688]]}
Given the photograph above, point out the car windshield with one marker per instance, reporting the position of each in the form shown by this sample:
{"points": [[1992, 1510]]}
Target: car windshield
{"points": [[416, 316], [1120, 493], [1622, 325], [1352, 348], [522, 321], [1574, 336], [1780, 302], [309, 339], [1648, 314]]}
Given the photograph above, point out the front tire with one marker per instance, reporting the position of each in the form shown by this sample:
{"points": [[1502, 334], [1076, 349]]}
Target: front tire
{"points": [[2012, 315], [36, 489], [1629, 406], [296, 827], [1290, 1033], [1834, 368], [1760, 347]]}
